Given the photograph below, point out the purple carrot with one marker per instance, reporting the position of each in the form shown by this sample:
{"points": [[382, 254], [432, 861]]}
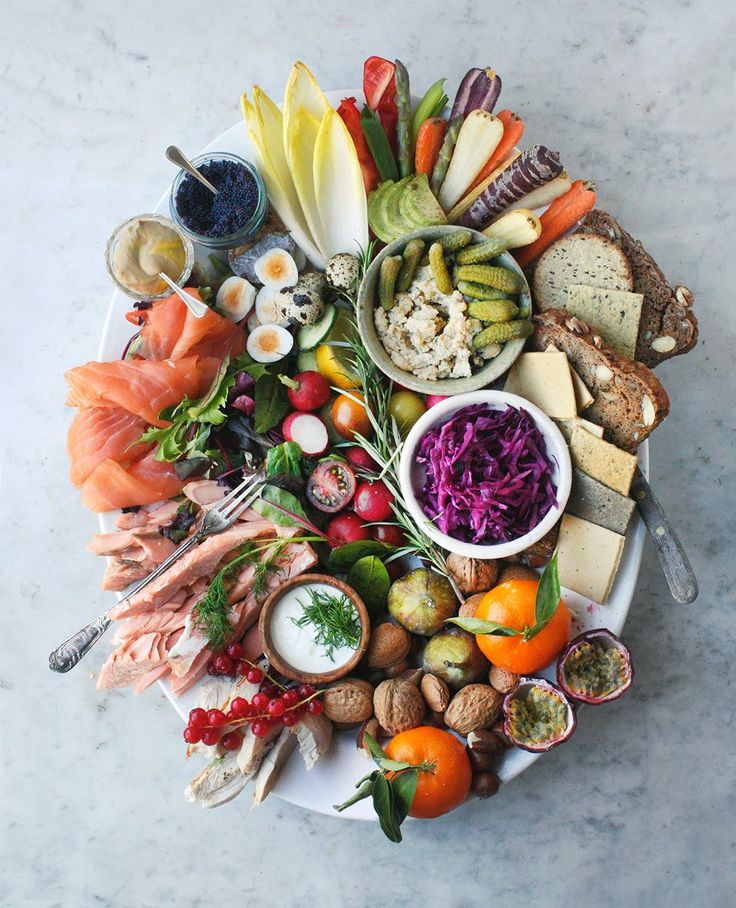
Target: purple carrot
{"points": [[479, 90]]}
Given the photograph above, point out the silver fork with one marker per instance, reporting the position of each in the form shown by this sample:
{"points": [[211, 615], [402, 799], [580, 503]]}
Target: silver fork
{"points": [[217, 519]]}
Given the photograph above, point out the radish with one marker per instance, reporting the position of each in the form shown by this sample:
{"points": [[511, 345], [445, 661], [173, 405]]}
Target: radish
{"points": [[308, 431], [433, 399]]}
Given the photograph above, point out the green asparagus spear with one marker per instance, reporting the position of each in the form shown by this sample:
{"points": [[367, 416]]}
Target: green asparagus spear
{"points": [[403, 127], [443, 160]]}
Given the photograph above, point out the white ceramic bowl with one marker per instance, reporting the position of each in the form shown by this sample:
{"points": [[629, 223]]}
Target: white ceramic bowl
{"points": [[411, 474]]}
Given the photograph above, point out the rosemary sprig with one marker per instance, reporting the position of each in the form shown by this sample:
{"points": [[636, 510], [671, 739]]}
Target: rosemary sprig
{"points": [[334, 618], [212, 612]]}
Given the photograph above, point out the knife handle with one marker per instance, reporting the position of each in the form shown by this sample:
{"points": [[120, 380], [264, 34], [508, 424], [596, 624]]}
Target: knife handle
{"points": [[675, 565]]}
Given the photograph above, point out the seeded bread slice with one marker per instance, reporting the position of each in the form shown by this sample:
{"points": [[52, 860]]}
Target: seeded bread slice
{"points": [[668, 326], [630, 401], [579, 258]]}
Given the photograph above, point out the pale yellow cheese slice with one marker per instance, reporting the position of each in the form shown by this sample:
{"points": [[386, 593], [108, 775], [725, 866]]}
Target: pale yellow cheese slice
{"points": [[602, 460], [583, 397], [587, 557], [545, 380], [566, 426], [615, 313]]}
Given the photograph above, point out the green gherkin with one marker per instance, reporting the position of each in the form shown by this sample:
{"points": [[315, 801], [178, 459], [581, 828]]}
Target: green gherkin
{"points": [[387, 280], [413, 253], [502, 332], [439, 269]]}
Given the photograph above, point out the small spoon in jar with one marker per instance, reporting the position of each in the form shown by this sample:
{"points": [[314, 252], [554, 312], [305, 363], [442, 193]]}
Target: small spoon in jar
{"points": [[195, 306], [177, 156]]}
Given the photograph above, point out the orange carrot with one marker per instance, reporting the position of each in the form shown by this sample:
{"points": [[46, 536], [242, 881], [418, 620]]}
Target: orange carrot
{"points": [[429, 141], [560, 217], [513, 130]]}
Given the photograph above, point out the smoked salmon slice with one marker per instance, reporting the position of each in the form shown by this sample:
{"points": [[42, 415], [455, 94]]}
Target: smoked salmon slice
{"points": [[170, 331], [142, 387], [99, 433], [145, 481]]}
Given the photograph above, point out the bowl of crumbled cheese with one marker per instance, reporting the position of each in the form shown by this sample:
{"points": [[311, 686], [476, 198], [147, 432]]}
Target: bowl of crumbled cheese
{"points": [[427, 338]]}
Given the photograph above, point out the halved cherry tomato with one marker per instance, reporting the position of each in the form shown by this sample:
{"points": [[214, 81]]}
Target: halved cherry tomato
{"points": [[378, 74], [349, 415], [373, 501], [331, 485], [347, 528]]}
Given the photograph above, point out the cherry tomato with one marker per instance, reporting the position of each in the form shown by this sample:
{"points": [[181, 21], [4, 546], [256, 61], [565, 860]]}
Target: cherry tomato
{"points": [[308, 391], [361, 459], [373, 501], [347, 528], [388, 533], [331, 485], [349, 416], [433, 399], [406, 407]]}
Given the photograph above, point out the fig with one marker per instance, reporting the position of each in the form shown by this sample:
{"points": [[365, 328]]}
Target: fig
{"points": [[421, 601], [454, 656], [537, 715], [595, 667]]}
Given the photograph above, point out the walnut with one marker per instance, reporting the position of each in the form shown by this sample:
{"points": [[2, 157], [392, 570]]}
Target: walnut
{"points": [[469, 607], [348, 701], [501, 680], [473, 706], [389, 644], [398, 705], [472, 575], [436, 693]]}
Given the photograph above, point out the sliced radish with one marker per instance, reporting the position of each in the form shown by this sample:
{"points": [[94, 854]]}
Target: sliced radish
{"points": [[235, 298], [266, 308], [308, 431], [276, 268], [269, 343]]}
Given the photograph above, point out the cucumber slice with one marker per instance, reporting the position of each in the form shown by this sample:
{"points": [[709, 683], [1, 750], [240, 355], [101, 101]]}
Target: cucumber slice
{"points": [[310, 336], [306, 361]]}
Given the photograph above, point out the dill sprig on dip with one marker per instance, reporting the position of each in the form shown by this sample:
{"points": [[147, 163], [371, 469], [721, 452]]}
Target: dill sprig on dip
{"points": [[335, 620]]}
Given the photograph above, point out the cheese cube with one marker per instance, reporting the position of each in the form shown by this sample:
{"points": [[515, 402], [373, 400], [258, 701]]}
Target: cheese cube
{"points": [[566, 426], [602, 460], [591, 500], [583, 397], [545, 380], [587, 557], [615, 313]]}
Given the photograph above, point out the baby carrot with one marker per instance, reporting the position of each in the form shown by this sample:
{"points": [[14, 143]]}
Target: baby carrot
{"points": [[429, 141], [560, 217], [513, 130]]}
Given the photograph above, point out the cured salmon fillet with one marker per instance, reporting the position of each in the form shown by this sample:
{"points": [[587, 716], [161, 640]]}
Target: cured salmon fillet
{"points": [[142, 387], [170, 331], [112, 485], [99, 433]]}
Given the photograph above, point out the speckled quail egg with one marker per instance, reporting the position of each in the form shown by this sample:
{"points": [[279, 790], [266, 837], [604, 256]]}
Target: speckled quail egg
{"points": [[314, 281], [304, 307], [342, 271]]}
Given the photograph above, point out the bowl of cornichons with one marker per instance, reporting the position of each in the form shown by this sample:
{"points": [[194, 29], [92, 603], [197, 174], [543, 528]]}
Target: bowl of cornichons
{"points": [[444, 310]]}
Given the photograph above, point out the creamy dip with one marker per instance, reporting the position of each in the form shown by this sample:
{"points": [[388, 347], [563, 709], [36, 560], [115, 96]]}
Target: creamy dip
{"points": [[297, 644], [143, 248]]}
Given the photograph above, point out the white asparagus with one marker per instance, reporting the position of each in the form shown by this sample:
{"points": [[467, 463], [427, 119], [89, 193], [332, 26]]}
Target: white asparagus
{"points": [[517, 228]]}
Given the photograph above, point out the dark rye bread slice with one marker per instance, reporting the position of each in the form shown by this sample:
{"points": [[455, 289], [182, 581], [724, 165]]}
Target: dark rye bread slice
{"points": [[630, 401], [668, 325]]}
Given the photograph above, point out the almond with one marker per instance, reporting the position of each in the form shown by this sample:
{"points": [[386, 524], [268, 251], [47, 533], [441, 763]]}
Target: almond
{"points": [[602, 373], [468, 608], [663, 344], [389, 645], [501, 680], [473, 706], [435, 692], [517, 572], [648, 414], [348, 701]]}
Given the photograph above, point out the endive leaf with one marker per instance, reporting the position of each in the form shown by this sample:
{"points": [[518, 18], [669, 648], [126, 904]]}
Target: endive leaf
{"points": [[301, 90], [302, 136], [338, 184]]}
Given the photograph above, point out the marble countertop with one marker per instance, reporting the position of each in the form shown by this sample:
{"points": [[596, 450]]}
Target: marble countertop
{"points": [[639, 807]]}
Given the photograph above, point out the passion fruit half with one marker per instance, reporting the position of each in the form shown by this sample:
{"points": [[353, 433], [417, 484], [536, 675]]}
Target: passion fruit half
{"points": [[595, 667], [537, 715]]}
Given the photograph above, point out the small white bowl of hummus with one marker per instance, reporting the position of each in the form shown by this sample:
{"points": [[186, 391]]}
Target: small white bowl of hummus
{"points": [[424, 342]]}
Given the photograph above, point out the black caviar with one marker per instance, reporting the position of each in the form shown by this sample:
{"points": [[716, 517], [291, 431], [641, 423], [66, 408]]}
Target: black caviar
{"points": [[222, 214]]}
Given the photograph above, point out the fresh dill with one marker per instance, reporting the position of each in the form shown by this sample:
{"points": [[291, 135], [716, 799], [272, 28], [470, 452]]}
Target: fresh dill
{"points": [[212, 612], [335, 620]]}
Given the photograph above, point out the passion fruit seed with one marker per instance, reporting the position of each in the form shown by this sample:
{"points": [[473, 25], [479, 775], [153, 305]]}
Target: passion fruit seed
{"points": [[539, 718], [595, 671]]}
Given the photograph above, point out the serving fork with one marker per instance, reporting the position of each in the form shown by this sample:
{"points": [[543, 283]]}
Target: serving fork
{"points": [[216, 519]]}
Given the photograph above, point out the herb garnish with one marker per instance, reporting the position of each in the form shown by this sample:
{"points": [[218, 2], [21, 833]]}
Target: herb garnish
{"points": [[212, 612], [335, 620]]}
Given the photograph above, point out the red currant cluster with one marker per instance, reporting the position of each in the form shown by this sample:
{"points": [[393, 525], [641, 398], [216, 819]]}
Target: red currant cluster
{"points": [[230, 662], [269, 707]]}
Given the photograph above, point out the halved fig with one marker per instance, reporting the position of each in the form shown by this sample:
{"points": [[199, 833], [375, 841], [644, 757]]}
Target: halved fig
{"points": [[537, 715], [595, 667]]}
